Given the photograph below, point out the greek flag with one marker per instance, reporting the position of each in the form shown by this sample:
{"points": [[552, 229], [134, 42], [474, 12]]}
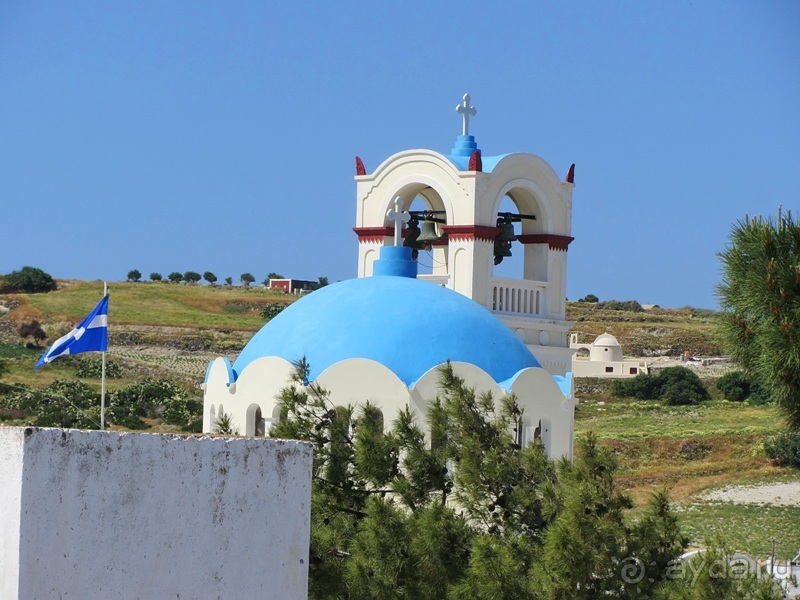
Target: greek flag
{"points": [[90, 335]]}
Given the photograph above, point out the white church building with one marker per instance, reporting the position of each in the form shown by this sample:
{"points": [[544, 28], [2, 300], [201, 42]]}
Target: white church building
{"points": [[603, 358], [381, 337]]}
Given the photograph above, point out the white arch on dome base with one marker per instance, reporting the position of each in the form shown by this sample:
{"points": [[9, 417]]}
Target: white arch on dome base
{"points": [[357, 380]]}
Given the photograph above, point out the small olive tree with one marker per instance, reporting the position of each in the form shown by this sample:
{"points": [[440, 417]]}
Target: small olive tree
{"points": [[192, 277]]}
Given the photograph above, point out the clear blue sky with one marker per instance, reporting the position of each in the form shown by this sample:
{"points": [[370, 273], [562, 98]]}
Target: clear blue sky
{"points": [[196, 135]]}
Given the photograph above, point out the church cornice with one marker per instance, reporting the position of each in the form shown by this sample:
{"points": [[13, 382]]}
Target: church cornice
{"points": [[471, 232], [372, 234], [555, 242]]}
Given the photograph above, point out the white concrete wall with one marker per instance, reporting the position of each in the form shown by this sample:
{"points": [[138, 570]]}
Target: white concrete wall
{"points": [[114, 515], [10, 496], [582, 367]]}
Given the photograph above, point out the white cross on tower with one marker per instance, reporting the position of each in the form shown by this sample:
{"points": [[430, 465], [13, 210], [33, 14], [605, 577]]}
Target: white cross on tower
{"points": [[466, 111], [399, 217]]}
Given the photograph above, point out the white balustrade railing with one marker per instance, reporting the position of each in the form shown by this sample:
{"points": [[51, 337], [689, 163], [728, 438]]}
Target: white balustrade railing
{"points": [[518, 297], [434, 278]]}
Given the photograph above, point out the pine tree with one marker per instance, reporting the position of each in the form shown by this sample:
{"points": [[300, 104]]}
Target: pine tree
{"points": [[465, 511], [760, 299]]}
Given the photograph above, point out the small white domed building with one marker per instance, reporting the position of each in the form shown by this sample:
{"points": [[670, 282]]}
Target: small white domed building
{"points": [[605, 359], [381, 337]]}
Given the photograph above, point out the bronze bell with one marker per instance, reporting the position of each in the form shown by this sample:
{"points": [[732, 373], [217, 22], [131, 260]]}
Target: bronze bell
{"points": [[428, 233], [501, 250], [502, 243], [507, 234], [412, 233]]}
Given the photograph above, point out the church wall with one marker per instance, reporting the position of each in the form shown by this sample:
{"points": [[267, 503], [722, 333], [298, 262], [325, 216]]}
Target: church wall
{"points": [[357, 380], [258, 385], [121, 515], [535, 262], [540, 398]]}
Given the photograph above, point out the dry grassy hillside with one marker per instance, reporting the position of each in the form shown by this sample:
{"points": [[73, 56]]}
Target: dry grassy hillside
{"points": [[654, 332]]}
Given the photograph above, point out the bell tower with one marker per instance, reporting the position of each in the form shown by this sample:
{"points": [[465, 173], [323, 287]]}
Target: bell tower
{"points": [[458, 220]]}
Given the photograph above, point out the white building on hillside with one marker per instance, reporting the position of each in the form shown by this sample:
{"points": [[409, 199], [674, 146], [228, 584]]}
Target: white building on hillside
{"points": [[604, 359]]}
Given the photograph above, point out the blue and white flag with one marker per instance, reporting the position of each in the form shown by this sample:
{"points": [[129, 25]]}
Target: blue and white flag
{"points": [[90, 335]]}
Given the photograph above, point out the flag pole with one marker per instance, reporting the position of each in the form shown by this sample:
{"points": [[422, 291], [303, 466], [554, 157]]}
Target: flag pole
{"points": [[103, 379]]}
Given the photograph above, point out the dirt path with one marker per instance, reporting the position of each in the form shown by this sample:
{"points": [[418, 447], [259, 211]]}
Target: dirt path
{"points": [[778, 494]]}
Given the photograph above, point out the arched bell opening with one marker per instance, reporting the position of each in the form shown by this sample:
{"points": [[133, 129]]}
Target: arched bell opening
{"points": [[425, 236], [520, 272], [509, 256], [422, 228]]}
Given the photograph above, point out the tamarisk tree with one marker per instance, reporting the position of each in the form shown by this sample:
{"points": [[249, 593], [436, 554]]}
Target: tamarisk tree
{"points": [[461, 510]]}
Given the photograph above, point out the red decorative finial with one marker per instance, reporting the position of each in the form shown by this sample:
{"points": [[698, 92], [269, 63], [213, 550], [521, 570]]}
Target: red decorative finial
{"points": [[475, 162], [571, 174], [360, 170]]}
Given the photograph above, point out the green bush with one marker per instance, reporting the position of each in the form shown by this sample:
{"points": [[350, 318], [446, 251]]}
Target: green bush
{"points": [[271, 310], [675, 385], [76, 404], [152, 399], [93, 367], [684, 392], [735, 386], [60, 404], [186, 412], [29, 280], [680, 385], [146, 399], [641, 387], [224, 425], [629, 305], [759, 394], [784, 448]]}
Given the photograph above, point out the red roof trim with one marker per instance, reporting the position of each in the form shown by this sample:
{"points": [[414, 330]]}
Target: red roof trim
{"points": [[471, 232], [556, 242], [373, 234]]}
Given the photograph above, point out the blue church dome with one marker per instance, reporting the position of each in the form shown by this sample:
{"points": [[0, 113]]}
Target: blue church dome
{"points": [[406, 324]]}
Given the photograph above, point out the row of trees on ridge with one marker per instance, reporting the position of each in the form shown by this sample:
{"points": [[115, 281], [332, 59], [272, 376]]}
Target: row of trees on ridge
{"points": [[246, 279]]}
